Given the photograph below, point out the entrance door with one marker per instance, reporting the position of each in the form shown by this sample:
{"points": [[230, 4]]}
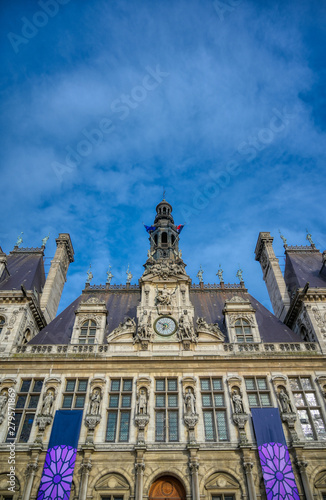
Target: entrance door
{"points": [[167, 488]]}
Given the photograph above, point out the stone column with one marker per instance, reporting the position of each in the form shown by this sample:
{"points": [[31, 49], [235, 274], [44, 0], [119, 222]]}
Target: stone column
{"points": [[194, 466], [30, 472], [302, 465], [139, 469], [250, 480], [85, 469]]}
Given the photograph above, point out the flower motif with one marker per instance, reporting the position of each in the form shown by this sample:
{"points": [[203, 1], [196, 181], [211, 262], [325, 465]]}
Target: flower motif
{"points": [[57, 473], [277, 472]]}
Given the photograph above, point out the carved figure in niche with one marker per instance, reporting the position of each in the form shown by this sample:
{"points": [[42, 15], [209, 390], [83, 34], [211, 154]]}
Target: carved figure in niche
{"points": [[190, 402], [48, 403], [142, 402], [95, 402], [3, 401], [237, 402], [285, 401], [186, 330], [164, 297]]}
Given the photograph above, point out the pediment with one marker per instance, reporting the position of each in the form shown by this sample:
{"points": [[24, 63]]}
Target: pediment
{"points": [[112, 482], [321, 481], [204, 335], [114, 337], [221, 480]]}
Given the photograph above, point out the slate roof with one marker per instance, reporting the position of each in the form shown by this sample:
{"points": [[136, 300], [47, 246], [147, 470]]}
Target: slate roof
{"points": [[302, 267], [26, 267], [208, 303]]}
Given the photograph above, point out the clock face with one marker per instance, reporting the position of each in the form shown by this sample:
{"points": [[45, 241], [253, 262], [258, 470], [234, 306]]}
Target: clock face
{"points": [[165, 326]]}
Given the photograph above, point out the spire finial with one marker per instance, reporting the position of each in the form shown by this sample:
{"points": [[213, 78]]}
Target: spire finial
{"points": [[164, 192]]}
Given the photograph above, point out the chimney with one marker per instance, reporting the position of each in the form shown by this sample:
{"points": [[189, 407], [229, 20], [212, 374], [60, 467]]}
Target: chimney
{"points": [[56, 278]]}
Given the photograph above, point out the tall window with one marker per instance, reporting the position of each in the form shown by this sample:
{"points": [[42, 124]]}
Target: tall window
{"points": [[164, 239], [75, 393], [88, 332], [2, 323], [214, 410], [243, 331], [258, 392], [308, 409], [223, 496], [166, 410], [118, 423], [26, 405]]}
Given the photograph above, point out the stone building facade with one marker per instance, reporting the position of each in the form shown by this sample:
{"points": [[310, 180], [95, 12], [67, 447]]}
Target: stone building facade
{"points": [[166, 373]]}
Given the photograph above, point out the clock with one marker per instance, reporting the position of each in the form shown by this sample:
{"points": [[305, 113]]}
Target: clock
{"points": [[165, 325]]}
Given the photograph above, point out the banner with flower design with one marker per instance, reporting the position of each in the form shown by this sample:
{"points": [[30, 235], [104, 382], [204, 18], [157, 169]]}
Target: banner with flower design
{"points": [[61, 456], [274, 455]]}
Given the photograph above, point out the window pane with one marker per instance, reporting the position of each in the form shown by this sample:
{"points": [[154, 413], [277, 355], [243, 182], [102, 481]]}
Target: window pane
{"points": [[217, 384], [70, 387], [205, 384], [33, 401], [67, 401], [219, 399], [124, 427], [114, 401], [25, 385], [126, 401], [160, 401], [319, 424], [221, 426], [240, 338], [172, 400], [250, 384], [261, 382], [37, 386], [172, 385], [80, 401], [265, 401], [91, 340], [115, 385], [82, 386], [173, 426], [207, 400], [13, 428], [253, 400], [209, 425], [21, 401], [298, 399], [82, 340], [305, 424], [127, 385], [160, 385], [294, 383], [311, 399], [26, 429], [306, 384], [159, 427], [92, 332], [111, 426]]}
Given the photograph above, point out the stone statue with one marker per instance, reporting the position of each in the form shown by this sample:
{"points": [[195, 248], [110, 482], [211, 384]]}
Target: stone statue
{"points": [[44, 240], [19, 239], [283, 238], [220, 274], [89, 275], [164, 297], [237, 401], [200, 275], [190, 401], [109, 276], [129, 275], [48, 403], [239, 275], [142, 402], [3, 401], [309, 238], [95, 402], [285, 401], [186, 331]]}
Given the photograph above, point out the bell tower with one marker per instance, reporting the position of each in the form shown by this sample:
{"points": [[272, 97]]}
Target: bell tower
{"points": [[164, 238]]}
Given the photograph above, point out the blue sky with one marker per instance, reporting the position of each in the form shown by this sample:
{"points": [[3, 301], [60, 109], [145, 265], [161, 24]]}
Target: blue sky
{"points": [[105, 102]]}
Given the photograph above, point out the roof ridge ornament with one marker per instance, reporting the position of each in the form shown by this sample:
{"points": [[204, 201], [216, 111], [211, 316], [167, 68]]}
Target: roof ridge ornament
{"points": [[19, 240], [200, 275], [109, 276], [283, 239], [89, 275], [220, 274], [129, 276], [44, 240], [239, 275], [309, 238]]}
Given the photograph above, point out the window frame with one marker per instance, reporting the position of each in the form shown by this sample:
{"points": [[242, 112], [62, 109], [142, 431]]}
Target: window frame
{"points": [[120, 409], [257, 391], [167, 411], [248, 337], [214, 409], [88, 338], [74, 394]]}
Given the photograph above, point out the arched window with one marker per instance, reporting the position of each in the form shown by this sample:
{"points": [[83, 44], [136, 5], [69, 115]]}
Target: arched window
{"points": [[164, 210], [88, 332], [243, 331], [27, 336], [2, 323], [155, 239], [164, 239]]}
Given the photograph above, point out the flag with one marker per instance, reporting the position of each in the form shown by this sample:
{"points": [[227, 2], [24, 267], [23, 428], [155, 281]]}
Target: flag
{"points": [[274, 455], [179, 228], [150, 229], [61, 456]]}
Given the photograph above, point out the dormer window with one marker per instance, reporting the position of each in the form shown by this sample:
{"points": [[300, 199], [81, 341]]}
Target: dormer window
{"points": [[2, 323], [87, 332], [243, 331]]}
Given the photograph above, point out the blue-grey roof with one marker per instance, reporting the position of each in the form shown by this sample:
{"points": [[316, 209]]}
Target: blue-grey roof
{"points": [[26, 267], [302, 267]]}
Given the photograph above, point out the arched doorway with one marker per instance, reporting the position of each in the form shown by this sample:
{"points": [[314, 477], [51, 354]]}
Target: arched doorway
{"points": [[167, 488]]}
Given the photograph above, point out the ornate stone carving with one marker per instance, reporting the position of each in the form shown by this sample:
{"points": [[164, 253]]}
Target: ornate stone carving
{"points": [[144, 330], [127, 326], [91, 421], [248, 466], [142, 402], [237, 298], [237, 401], [193, 467], [42, 422], [3, 404], [186, 330], [48, 400], [319, 319], [95, 401], [164, 269], [31, 468], [285, 402], [210, 328], [139, 468], [235, 317], [190, 403]]}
